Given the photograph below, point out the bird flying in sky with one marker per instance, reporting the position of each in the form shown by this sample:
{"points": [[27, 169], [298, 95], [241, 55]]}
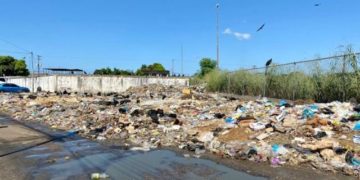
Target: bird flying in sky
{"points": [[261, 27], [317, 4]]}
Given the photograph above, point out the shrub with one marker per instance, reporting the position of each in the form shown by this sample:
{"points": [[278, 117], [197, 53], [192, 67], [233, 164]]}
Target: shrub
{"points": [[338, 81]]}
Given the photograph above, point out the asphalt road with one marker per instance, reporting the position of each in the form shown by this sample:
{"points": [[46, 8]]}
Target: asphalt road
{"points": [[36, 152]]}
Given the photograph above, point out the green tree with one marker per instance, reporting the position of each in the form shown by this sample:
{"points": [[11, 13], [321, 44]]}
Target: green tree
{"points": [[9, 66], [20, 68], [115, 71], [145, 70], [103, 71], [157, 67], [206, 66], [122, 72], [98, 72], [141, 70]]}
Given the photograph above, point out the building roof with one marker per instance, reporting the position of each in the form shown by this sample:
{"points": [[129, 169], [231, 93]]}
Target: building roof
{"points": [[64, 69]]}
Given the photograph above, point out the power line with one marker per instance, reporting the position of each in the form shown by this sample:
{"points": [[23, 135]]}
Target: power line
{"points": [[14, 45], [13, 52], [22, 49]]}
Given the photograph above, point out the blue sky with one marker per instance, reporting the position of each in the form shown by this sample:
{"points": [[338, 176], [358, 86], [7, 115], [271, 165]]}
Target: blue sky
{"points": [[90, 34]]}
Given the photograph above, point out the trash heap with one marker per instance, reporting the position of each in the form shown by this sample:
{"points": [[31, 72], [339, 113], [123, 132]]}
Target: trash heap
{"points": [[278, 132]]}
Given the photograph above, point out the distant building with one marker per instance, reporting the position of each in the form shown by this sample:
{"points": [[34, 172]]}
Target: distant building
{"points": [[64, 71]]}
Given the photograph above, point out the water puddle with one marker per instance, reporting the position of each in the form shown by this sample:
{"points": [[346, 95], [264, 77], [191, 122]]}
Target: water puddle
{"points": [[163, 164], [157, 164], [78, 158]]}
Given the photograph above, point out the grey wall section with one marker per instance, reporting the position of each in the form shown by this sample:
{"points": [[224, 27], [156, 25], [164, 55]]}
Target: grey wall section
{"points": [[93, 84]]}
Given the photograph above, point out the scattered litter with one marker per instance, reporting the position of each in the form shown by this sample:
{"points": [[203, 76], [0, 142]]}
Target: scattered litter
{"points": [[308, 113], [97, 176], [275, 161], [279, 149], [281, 116], [50, 161], [262, 136], [356, 139], [230, 120], [257, 126], [140, 149], [320, 135], [153, 116], [187, 155], [357, 126]]}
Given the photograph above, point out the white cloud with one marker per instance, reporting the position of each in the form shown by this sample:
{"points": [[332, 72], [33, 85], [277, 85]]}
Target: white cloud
{"points": [[242, 36], [227, 31], [238, 35]]}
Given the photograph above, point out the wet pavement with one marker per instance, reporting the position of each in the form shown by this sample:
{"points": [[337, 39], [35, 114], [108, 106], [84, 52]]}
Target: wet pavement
{"points": [[41, 153]]}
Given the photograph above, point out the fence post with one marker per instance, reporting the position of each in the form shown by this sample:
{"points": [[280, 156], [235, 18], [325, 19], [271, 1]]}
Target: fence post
{"points": [[228, 88], [343, 77], [265, 82], [296, 84], [357, 73]]}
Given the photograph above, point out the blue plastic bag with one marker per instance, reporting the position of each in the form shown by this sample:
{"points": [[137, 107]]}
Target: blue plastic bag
{"points": [[355, 162], [282, 102], [314, 107], [308, 113], [230, 120], [275, 148], [357, 126]]}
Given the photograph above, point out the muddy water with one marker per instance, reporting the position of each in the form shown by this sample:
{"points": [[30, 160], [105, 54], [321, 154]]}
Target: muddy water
{"points": [[77, 158]]}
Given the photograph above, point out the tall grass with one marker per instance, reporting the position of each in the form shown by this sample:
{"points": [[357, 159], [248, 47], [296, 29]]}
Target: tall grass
{"points": [[338, 80]]}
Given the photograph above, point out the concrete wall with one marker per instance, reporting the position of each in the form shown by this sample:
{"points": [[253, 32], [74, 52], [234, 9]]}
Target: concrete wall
{"points": [[93, 84]]}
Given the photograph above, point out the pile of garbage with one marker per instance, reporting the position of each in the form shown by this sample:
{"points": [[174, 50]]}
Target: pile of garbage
{"points": [[261, 130]]}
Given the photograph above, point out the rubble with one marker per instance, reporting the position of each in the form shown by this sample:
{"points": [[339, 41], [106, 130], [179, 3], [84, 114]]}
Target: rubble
{"points": [[324, 135], [322, 144]]}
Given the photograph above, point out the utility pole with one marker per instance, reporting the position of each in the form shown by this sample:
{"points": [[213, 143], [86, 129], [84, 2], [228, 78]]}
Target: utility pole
{"points": [[38, 64], [32, 73], [217, 36], [172, 67], [182, 60]]}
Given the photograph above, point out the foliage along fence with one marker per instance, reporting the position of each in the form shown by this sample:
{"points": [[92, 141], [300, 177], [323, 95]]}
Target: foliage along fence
{"points": [[323, 80]]}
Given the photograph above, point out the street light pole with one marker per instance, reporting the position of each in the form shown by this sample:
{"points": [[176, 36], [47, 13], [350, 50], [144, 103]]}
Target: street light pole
{"points": [[38, 65], [217, 36], [182, 60], [172, 67], [32, 73]]}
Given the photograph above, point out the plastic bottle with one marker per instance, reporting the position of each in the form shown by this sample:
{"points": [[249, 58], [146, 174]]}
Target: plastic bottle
{"points": [[96, 176]]}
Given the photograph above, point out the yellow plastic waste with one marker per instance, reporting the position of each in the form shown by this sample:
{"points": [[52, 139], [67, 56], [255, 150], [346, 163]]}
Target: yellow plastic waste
{"points": [[336, 123], [186, 91], [236, 116]]}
